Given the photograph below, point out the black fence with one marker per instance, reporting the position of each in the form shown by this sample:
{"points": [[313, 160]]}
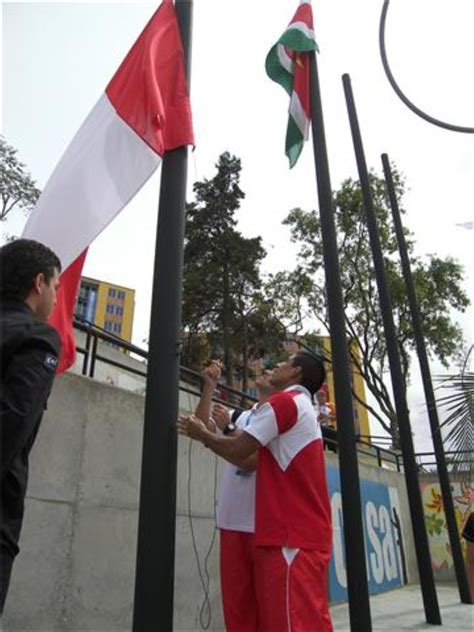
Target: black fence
{"points": [[460, 459], [191, 382]]}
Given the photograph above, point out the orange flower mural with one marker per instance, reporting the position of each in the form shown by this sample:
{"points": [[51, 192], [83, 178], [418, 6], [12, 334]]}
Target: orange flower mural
{"points": [[437, 501], [463, 496]]}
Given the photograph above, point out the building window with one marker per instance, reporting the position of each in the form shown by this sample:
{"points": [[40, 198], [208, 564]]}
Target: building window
{"points": [[110, 309], [121, 295], [112, 292], [108, 325], [118, 310], [86, 301], [117, 328]]}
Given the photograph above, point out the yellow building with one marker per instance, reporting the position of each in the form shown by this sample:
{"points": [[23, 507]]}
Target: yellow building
{"points": [[107, 305], [361, 416]]}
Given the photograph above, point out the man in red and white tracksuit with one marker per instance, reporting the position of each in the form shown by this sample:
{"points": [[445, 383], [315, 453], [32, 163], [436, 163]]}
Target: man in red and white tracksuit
{"points": [[292, 519]]}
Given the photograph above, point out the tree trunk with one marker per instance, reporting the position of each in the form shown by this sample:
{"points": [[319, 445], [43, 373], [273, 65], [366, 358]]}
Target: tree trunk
{"points": [[245, 360], [225, 331], [395, 432]]}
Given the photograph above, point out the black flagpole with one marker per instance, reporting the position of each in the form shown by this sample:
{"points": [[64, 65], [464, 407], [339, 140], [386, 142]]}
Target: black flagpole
{"points": [[428, 388], [357, 587], [428, 589], [154, 581]]}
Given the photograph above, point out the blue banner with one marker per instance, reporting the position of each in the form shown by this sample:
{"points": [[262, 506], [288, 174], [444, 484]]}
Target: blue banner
{"points": [[382, 548]]}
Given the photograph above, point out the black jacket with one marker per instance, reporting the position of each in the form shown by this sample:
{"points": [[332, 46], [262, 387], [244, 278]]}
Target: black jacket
{"points": [[29, 351]]}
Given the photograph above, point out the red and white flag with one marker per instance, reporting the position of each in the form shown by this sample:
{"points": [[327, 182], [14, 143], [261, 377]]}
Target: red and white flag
{"points": [[144, 112]]}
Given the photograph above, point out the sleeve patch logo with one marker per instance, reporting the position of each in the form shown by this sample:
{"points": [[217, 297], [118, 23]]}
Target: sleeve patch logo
{"points": [[51, 361]]}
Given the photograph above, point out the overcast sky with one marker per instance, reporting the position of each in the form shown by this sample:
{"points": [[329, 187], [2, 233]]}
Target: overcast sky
{"points": [[58, 58]]}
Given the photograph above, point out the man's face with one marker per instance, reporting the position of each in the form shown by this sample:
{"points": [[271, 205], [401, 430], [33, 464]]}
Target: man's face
{"points": [[263, 382], [46, 295], [285, 374]]}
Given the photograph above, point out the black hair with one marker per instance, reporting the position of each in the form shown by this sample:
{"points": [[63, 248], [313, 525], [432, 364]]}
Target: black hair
{"points": [[20, 263], [313, 373]]}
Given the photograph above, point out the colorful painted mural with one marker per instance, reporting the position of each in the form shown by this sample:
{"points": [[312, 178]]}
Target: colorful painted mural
{"points": [[463, 496]]}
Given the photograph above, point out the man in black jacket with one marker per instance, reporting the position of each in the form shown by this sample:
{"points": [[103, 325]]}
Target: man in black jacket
{"points": [[29, 348]]}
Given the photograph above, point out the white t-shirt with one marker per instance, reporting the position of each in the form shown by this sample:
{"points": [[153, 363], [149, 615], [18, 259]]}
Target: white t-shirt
{"points": [[236, 502]]}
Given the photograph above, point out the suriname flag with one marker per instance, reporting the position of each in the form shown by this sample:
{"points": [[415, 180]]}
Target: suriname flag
{"points": [[287, 63]]}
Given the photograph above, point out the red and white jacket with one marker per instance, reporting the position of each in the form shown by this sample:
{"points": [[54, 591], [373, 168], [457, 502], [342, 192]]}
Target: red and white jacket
{"points": [[292, 502]]}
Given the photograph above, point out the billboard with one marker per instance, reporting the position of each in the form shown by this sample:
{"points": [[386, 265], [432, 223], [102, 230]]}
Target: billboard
{"points": [[383, 537]]}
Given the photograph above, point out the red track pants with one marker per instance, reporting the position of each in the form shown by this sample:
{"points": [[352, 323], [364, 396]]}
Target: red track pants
{"points": [[265, 591]]}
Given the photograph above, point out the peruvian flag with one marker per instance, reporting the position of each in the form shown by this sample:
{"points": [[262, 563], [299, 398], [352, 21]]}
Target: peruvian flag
{"points": [[144, 112], [287, 63]]}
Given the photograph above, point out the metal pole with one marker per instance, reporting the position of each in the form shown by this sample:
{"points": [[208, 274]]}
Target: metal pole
{"points": [[429, 392], [357, 587], [154, 582], [87, 351], [430, 599], [92, 362]]}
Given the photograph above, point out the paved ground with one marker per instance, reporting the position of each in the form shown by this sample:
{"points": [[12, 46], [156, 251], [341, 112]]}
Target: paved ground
{"points": [[403, 610]]}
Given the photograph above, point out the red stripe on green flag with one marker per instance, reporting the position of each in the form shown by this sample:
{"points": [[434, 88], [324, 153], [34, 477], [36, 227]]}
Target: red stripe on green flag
{"points": [[287, 63]]}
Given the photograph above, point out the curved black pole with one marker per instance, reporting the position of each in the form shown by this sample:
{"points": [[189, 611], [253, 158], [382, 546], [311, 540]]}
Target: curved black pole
{"points": [[393, 83]]}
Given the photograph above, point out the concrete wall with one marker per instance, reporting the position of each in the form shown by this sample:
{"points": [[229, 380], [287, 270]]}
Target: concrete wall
{"points": [[76, 567]]}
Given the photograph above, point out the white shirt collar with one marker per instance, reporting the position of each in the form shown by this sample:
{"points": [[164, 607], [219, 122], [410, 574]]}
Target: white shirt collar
{"points": [[300, 388]]}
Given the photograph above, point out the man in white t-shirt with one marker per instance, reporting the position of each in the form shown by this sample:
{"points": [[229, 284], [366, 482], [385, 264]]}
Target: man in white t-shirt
{"points": [[235, 516], [292, 542]]}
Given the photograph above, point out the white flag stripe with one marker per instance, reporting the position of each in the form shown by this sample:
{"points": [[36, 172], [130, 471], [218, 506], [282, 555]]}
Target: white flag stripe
{"points": [[299, 115], [284, 59], [104, 166], [304, 28]]}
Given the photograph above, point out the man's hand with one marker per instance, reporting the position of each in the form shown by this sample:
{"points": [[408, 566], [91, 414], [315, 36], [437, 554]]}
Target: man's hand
{"points": [[192, 427], [212, 374], [221, 416]]}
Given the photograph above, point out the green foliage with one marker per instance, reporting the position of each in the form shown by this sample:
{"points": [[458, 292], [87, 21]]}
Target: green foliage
{"points": [[221, 286], [456, 400], [434, 524], [438, 286], [17, 188]]}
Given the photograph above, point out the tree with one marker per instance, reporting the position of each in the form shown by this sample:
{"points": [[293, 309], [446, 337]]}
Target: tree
{"points": [[456, 399], [438, 285], [221, 269], [17, 188]]}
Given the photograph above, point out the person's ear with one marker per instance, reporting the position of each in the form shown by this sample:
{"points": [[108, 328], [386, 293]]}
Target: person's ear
{"points": [[38, 283], [297, 371]]}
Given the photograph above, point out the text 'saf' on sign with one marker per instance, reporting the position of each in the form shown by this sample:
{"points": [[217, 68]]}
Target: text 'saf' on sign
{"points": [[383, 540]]}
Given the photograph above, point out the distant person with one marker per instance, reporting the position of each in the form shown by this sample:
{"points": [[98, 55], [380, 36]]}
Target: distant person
{"points": [[326, 418], [292, 512], [468, 535], [235, 513], [29, 280], [325, 410]]}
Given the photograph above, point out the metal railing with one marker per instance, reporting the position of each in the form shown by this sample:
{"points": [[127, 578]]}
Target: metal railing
{"points": [[381, 455], [451, 458], [191, 382]]}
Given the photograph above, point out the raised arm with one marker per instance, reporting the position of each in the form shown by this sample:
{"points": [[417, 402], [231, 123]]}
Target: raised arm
{"points": [[210, 379]]}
